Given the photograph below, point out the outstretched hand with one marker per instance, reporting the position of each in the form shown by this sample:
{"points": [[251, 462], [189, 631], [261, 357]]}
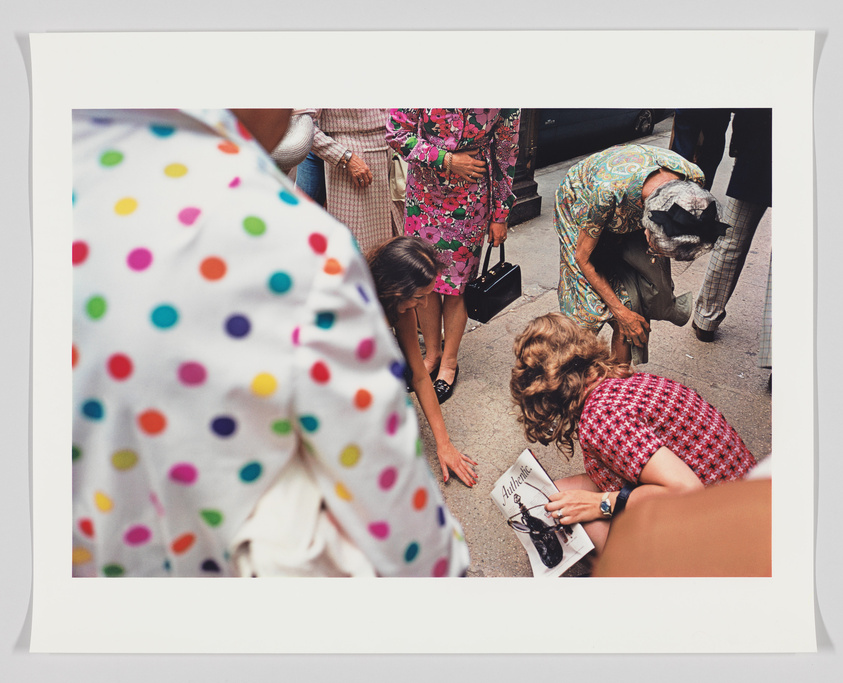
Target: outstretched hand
{"points": [[461, 465]]}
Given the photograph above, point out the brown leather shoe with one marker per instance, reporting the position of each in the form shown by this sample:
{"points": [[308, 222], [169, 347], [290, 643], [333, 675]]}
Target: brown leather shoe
{"points": [[703, 335]]}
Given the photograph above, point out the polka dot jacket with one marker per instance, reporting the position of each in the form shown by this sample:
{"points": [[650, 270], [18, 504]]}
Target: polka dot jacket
{"points": [[222, 323]]}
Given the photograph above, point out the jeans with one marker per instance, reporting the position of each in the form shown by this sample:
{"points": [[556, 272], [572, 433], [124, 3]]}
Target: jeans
{"points": [[310, 177]]}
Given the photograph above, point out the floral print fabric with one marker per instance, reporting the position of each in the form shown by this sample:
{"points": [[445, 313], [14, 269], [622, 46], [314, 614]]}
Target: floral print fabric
{"points": [[224, 325], [441, 208], [603, 193]]}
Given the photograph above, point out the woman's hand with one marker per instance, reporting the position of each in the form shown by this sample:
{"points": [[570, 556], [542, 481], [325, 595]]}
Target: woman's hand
{"points": [[451, 459], [633, 328], [497, 233], [359, 170], [577, 506], [467, 166]]}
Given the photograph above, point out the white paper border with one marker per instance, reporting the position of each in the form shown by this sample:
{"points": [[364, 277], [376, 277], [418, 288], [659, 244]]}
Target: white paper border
{"points": [[570, 69]]}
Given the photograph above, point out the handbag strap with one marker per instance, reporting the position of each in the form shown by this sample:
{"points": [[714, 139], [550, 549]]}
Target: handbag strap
{"points": [[489, 253]]}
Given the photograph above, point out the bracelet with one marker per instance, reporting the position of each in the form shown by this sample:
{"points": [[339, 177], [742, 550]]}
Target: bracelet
{"points": [[346, 157], [620, 501], [446, 162]]}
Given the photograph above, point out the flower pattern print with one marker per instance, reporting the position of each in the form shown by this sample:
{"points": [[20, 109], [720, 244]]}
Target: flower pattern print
{"points": [[603, 193], [441, 208], [224, 325], [625, 421]]}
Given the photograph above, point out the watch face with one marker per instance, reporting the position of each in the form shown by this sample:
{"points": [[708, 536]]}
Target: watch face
{"points": [[605, 507]]}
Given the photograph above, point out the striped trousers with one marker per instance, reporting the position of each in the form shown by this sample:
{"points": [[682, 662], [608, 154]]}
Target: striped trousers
{"points": [[726, 262]]}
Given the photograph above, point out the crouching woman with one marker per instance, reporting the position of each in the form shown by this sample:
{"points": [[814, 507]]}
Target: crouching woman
{"points": [[641, 435]]}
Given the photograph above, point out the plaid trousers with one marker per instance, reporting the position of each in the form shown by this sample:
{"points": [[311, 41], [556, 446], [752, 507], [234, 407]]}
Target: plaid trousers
{"points": [[726, 262]]}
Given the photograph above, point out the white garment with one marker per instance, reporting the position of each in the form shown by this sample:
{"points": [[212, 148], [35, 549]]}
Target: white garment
{"points": [[224, 327]]}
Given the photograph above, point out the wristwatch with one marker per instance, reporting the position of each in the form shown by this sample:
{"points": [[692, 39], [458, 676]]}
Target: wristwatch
{"points": [[346, 157], [606, 506]]}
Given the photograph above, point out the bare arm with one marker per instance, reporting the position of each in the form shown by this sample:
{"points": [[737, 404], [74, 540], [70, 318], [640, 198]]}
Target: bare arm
{"points": [[632, 326], [664, 473], [449, 456]]}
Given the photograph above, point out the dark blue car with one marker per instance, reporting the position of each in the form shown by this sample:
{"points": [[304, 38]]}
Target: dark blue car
{"points": [[566, 133]]}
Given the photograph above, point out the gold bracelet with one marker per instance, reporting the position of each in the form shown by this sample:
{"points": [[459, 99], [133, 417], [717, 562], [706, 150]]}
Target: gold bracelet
{"points": [[446, 162]]}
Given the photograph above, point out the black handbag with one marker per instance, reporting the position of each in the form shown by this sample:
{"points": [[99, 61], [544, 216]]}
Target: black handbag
{"points": [[493, 290]]}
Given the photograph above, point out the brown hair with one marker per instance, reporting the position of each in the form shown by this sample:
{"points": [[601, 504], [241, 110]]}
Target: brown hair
{"points": [[556, 361], [401, 266]]}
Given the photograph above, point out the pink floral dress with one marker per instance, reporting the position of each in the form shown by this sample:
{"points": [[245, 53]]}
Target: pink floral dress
{"points": [[451, 213]]}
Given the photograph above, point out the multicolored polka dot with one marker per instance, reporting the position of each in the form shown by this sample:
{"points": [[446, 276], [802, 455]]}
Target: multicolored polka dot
{"points": [[342, 492], [264, 384], [96, 307], [77, 452], [318, 242], [296, 336], [412, 552], [325, 320], [183, 543], [93, 409], [280, 282], [440, 515], [238, 326], [74, 356], [379, 530], [235, 182], [254, 226], [282, 427], [81, 556], [80, 252], [213, 518], [126, 206], [152, 422], [228, 147], [156, 503], [188, 215], [124, 460], [320, 373], [192, 374], [363, 294], [211, 566], [332, 267], [362, 399], [164, 316], [161, 130], [350, 456], [213, 268], [184, 473], [420, 499], [175, 170], [366, 349], [251, 472], [139, 259], [86, 527], [111, 158], [137, 535], [392, 423], [397, 368], [288, 197], [113, 570], [103, 502], [223, 426], [387, 478], [309, 423], [120, 366], [440, 569]]}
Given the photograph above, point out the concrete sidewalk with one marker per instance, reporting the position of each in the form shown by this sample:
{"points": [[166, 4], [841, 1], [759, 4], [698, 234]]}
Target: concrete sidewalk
{"points": [[481, 418]]}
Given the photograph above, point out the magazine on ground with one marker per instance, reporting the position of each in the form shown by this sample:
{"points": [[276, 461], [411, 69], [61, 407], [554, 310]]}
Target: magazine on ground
{"points": [[521, 494]]}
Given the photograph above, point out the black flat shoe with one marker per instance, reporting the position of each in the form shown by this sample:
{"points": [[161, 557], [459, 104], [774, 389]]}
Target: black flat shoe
{"points": [[445, 390], [703, 335], [434, 372]]}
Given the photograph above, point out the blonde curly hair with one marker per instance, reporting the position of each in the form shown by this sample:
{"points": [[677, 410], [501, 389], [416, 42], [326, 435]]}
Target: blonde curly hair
{"points": [[556, 363]]}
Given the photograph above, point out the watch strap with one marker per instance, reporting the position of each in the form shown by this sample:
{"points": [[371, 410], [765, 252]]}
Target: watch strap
{"points": [[620, 501]]}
